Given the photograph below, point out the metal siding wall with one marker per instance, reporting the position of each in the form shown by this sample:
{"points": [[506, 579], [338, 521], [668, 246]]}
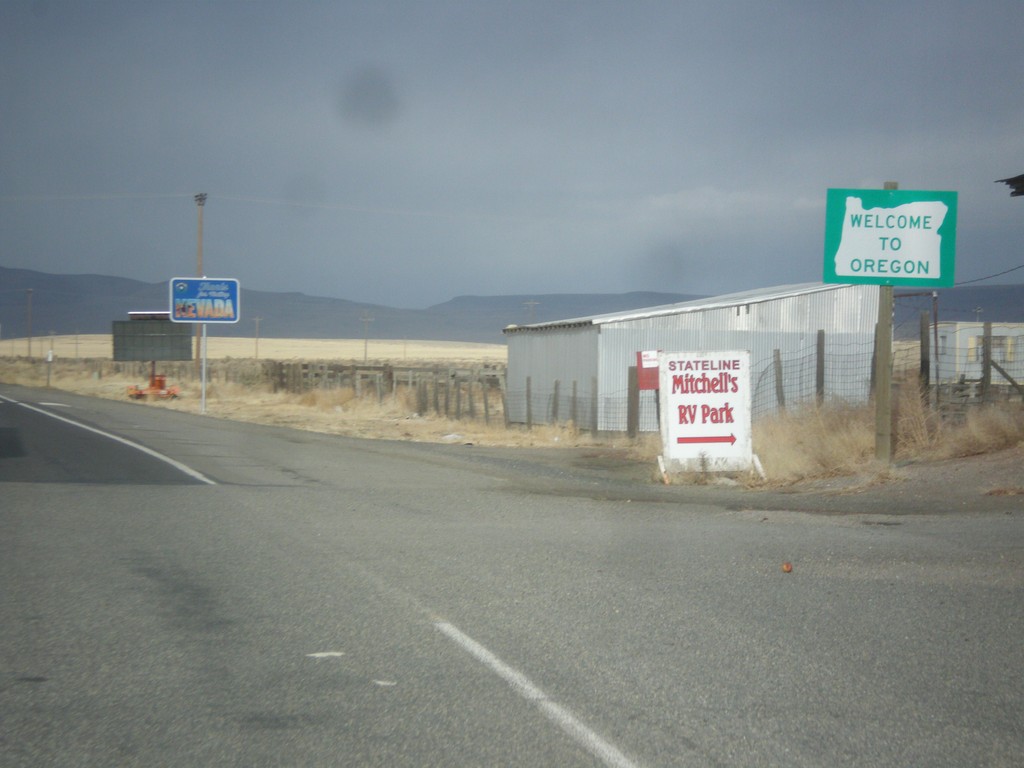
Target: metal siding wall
{"points": [[790, 324], [546, 356]]}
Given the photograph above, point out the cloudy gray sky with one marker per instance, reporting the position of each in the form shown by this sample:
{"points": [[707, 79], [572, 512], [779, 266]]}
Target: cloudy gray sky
{"points": [[404, 153]]}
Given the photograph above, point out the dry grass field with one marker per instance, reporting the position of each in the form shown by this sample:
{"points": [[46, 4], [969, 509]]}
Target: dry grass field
{"points": [[334, 411], [794, 446], [100, 346]]}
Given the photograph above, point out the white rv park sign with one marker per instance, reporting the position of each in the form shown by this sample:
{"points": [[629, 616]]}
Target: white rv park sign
{"points": [[706, 410]]}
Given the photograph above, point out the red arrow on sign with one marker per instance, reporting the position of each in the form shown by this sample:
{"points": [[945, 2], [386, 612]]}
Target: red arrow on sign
{"points": [[730, 439]]}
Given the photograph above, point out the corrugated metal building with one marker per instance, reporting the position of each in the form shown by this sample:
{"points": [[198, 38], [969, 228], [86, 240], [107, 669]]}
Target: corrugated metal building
{"points": [[577, 370]]}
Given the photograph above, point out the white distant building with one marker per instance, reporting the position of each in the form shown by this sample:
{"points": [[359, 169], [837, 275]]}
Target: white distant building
{"points": [[961, 349], [577, 369]]}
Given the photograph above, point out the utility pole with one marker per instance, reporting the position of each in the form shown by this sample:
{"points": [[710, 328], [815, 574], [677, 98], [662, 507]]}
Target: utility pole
{"points": [[200, 204], [49, 360], [29, 322], [256, 354], [366, 335], [529, 307]]}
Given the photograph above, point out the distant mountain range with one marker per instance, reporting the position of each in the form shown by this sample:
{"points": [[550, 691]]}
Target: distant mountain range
{"points": [[66, 304]]}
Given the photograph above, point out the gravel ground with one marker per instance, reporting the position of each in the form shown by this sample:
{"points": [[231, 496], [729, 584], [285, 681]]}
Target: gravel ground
{"points": [[990, 483]]}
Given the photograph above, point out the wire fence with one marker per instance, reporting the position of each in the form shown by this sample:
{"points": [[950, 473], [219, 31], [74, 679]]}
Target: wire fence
{"points": [[958, 365], [971, 365]]}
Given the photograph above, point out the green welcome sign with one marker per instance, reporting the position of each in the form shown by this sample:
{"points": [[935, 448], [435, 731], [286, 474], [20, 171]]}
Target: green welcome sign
{"points": [[890, 237]]}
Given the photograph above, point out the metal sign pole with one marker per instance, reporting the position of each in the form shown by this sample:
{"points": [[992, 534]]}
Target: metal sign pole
{"points": [[883, 376], [202, 301], [202, 406], [883, 367]]}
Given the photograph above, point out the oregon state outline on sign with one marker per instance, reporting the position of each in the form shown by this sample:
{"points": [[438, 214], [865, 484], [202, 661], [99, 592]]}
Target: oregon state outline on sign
{"points": [[890, 237]]}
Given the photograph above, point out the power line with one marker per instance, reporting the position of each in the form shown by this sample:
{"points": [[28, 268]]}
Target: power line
{"points": [[100, 197], [997, 274], [385, 210]]}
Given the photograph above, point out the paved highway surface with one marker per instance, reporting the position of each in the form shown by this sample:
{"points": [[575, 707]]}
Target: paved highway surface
{"points": [[183, 591]]}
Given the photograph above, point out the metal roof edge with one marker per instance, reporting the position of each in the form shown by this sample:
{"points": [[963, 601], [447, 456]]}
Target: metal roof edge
{"points": [[755, 296], [580, 323]]}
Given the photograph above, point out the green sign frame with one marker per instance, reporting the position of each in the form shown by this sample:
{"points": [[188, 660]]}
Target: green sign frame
{"points": [[890, 237]]}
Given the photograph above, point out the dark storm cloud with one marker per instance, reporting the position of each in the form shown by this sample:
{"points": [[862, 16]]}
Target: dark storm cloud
{"points": [[369, 97], [404, 153]]}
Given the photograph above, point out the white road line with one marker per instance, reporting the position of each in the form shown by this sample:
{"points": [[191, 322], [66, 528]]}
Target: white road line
{"points": [[562, 717], [148, 451]]}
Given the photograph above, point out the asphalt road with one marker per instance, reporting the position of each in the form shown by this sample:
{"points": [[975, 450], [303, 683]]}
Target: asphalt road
{"points": [[251, 596]]}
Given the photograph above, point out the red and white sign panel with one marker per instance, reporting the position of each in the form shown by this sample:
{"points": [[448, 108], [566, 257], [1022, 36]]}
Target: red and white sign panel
{"points": [[705, 410], [647, 369]]}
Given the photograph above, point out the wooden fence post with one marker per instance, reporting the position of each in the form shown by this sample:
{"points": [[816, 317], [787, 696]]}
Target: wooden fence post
{"points": [[529, 402], [422, 397], [874, 364], [554, 402], [780, 391], [632, 403], [925, 371], [986, 363], [819, 369], [503, 385], [484, 386]]}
